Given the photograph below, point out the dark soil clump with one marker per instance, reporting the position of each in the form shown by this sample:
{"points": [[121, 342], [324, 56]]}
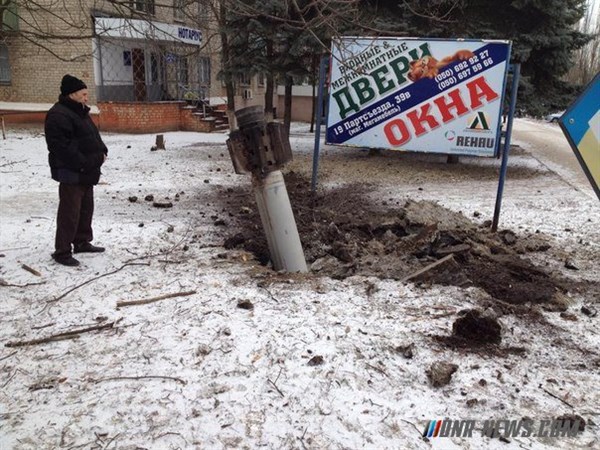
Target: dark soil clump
{"points": [[440, 373], [477, 328], [345, 232]]}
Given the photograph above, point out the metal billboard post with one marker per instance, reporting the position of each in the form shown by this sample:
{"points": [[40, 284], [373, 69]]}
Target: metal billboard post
{"points": [[320, 97], [516, 70]]}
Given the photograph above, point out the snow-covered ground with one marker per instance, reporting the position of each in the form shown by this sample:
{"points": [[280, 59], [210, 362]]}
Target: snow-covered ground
{"points": [[197, 371]]}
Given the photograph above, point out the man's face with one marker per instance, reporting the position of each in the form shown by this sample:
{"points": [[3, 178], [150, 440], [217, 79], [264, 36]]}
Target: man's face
{"points": [[80, 96]]}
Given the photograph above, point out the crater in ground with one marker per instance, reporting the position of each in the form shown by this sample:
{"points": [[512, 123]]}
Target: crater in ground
{"points": [[346, 232]]}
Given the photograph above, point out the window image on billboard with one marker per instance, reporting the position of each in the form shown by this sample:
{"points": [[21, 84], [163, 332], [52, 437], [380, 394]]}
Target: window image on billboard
{"points": [[436, 96]]}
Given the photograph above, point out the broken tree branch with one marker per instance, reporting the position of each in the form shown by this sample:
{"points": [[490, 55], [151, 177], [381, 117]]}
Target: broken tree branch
{"points": [[39, 327], [555, 396], [8, 356], [153, 299], [31, 270], [273, 383], [378, 369], [10, 378], [12, 248], [143, 377], [63, 295], [413, 425], [7, 284], [112, 439], [428, 267], [270, 294], [60, 336], [275, 386], [165, 253], [11, 163]]}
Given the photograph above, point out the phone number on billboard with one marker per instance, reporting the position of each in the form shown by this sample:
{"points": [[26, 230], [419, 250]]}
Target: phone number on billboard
{"points": [[463, 70]]}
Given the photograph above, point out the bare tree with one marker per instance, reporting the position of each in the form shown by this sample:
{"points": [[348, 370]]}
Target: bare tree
{"points": [[300, 31], [291, 33], [586, 60], [77, 32]]}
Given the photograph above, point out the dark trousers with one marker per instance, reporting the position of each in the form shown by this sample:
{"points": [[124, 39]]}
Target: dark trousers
{"points": [[74, 218]]}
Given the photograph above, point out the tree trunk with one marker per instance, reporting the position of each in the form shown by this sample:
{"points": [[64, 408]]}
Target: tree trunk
{"points": [[228, 79], [231, 105], [270, 87], [315, 80], [287, 116], [270, 90]]}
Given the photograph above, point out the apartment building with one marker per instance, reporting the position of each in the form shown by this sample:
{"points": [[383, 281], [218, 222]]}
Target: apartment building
{"points": [[139, 58]]}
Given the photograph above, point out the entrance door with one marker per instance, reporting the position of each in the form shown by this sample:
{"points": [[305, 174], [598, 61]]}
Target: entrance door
{"points": [[139, 74]]}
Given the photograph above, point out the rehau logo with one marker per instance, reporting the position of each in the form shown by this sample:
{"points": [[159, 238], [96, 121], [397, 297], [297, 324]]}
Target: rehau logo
{"points": [[450, 135], [479, 122], [475, 141]]}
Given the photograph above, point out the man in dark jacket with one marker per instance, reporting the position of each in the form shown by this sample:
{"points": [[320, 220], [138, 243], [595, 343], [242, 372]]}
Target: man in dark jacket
{"points": [[76, 155]]}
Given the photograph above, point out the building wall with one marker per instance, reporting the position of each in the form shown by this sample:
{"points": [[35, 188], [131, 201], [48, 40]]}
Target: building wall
{"points": [[36, 72], [301, 108], [10, 117], [139, 117], [192, 121], [129, 117], [302, 103], [32, 117]]}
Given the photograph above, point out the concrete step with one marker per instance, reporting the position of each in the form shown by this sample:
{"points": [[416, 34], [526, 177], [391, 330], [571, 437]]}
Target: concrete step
{"points": [[221, 127]]}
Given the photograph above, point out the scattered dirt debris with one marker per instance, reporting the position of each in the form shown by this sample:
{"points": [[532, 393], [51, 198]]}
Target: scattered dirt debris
{"points": [[475, 326], [407, 351], [440, 373], [315, 361], [346, 232], [245, 304], [162, 204], [572, 420], [589, 311]]}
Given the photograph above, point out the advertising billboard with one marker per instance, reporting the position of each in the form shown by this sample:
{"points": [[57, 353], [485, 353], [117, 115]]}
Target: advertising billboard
{"points": [[425, 95]]}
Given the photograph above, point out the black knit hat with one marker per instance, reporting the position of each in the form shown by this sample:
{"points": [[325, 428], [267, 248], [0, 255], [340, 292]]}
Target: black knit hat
{"points": [[70, 84]]}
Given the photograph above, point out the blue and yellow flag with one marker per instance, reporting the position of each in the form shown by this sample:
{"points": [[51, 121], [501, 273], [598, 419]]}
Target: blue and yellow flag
{"points": [[581, 125]]}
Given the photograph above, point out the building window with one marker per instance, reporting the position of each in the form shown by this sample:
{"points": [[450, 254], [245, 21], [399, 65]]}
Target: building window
{"points": [[155, 71], [261, 79], [4, 64], [146, 6], [203, 10], [245, 79], [302, 80], [204, 71], [9, 18], [179, 9], [182, 70]]}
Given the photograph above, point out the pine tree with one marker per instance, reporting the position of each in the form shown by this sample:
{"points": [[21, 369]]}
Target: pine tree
{"points": [[542, 31], [281, 38]]}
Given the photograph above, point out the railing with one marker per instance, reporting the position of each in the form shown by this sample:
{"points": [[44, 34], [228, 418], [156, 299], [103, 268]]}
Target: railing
{"points": [[195, 97]]}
